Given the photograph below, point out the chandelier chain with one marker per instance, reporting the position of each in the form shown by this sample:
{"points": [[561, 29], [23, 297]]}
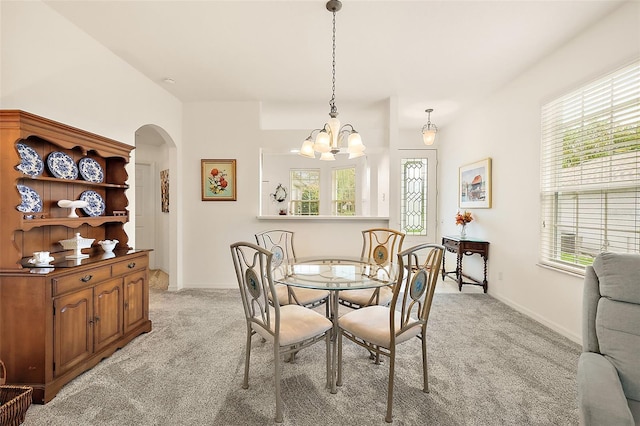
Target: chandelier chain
{"points": [[332, 103]]}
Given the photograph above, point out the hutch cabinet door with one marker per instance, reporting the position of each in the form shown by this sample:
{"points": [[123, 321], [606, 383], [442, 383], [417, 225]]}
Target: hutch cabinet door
{"points": [[135, 311], [108, 313], [73, 330]]}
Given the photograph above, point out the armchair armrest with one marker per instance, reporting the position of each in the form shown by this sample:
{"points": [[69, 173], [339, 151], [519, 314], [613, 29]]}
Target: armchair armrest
{"points": [[600, 395]]}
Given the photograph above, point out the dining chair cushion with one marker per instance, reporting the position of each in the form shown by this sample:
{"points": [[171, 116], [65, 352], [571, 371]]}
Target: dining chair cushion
{"points": [[362, 297], [305, 296], [281, 294], [297, 324], [372, 324]]}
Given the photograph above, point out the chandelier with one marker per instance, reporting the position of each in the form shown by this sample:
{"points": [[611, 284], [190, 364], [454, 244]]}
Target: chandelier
{"points": [[328, 139], [429, 130]]}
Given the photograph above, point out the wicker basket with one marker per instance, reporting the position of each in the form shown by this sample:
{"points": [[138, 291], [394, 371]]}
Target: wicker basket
{"points": [[14, 401]]}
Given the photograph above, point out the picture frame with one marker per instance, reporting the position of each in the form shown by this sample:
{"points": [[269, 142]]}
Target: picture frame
{"points": [[164, 191], [218, 179], [474, 185]]}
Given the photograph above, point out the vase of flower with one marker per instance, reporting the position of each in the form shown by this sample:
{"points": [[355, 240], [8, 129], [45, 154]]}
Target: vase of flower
{"points": [[463, 219]]}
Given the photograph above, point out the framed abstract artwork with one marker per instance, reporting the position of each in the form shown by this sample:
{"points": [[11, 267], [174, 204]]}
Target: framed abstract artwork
{"points": [[218, 180], [474, 185]]}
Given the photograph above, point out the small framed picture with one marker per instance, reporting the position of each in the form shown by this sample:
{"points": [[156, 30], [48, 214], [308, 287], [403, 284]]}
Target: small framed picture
{"points": [[474, 185], [218, 180], [164, 190]]}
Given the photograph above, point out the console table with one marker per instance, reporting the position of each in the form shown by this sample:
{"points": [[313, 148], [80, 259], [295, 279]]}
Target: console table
{"points": [[465, 247]]}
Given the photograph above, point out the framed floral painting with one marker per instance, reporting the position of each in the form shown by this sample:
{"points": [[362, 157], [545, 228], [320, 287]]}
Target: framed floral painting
{"points": [[218, 180], [474, 185]]}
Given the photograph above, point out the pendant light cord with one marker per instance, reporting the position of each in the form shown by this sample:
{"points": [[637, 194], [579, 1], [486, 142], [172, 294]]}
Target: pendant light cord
{"points": [[332, 103]]}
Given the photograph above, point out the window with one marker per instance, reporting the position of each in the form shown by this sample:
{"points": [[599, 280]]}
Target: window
{"points": [[413, 198], [590, 171], [305, 192], [344, 191]]}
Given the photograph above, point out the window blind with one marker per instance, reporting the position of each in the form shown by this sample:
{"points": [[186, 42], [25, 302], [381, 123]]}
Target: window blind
{"points": [[590, 171]]}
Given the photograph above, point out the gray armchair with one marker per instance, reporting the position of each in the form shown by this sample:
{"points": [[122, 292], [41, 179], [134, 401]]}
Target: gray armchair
{"points": [[609, 367]]}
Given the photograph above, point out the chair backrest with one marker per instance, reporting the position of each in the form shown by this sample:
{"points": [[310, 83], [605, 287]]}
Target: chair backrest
{"points": [[253, 270], [416, 284], [381, 245], [279, 242], [611, 314]]}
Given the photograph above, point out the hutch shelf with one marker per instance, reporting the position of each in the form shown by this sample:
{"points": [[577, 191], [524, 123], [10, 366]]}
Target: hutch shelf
{"points": [[60, 320]]}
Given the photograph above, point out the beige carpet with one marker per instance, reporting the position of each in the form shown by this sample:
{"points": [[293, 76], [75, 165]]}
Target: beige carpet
{"points": [[488, 365]]}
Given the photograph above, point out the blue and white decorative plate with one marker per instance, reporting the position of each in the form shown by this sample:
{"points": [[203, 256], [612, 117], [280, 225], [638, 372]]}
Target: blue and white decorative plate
{"points": [[61, 165], [90, 170], [31, 201], [95, 203], [31, 164]]}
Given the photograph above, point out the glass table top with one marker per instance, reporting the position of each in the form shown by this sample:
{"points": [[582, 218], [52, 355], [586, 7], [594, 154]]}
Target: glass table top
{"points": [[334, 273]]}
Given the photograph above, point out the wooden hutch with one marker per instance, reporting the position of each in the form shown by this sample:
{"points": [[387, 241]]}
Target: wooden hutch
{"points": [[59, 321]]}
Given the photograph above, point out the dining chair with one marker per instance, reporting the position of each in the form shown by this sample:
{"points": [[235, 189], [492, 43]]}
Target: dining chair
{"points": [[290, 328], [380, 329], [280, 243], [380, 246]]}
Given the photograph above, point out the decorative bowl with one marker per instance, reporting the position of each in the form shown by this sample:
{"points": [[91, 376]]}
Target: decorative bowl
{"points": [[77, 244], [108, 245]]}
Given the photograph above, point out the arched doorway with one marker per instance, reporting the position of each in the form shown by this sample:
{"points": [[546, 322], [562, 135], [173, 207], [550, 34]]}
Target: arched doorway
{"points": [[155, 221]]}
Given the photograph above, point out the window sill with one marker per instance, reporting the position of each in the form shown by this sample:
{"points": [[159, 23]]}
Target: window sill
{"points": [[323, 217], [573, 272]]}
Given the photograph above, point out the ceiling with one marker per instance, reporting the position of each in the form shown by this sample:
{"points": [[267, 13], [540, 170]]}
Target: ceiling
{"points": [[447, 54]]}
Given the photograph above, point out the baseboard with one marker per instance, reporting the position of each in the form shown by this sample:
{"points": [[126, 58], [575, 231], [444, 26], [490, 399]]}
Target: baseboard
{"points": [[553, 326]]}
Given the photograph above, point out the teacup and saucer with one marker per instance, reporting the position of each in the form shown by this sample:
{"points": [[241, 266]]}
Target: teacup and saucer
{"points": [[41, 258]]}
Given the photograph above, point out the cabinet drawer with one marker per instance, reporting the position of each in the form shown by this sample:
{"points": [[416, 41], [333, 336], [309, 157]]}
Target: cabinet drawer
{"points": [[79, 280], [475, 247], [134, 264]]}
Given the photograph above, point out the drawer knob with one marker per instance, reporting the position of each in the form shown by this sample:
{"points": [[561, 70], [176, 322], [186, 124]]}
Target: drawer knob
{"points": [[131, 265], [86, 278]]}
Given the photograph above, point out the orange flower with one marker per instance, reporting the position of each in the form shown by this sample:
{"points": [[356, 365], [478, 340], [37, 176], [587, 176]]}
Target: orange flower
{"points": [[463, 218]]}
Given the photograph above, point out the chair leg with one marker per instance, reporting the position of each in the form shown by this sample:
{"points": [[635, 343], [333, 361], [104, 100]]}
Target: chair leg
{"points": [[278, 372], [392, 363], [425, 372], [245, 383], [339, 378], [327, 343]]}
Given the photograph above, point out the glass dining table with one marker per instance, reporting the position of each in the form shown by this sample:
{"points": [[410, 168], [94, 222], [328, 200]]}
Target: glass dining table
{"points": [[335, 274]]}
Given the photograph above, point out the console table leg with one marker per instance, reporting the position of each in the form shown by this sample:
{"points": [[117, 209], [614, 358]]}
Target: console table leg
{"points": [[484, 281], [459, 271], [444, 274]]}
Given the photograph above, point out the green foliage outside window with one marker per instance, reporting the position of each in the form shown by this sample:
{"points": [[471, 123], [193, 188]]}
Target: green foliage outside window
{"points": [[305, 192], [344, 183], [596, 141]]}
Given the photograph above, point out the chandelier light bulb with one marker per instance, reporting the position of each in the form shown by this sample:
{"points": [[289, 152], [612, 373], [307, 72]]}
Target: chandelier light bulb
{"points": [[327, 156], [307, 149], [355, 142]]}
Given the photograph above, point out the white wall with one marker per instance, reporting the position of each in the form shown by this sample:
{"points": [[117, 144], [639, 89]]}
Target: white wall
{"points": [[230, 130], [51, 68], [506, 127]]}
